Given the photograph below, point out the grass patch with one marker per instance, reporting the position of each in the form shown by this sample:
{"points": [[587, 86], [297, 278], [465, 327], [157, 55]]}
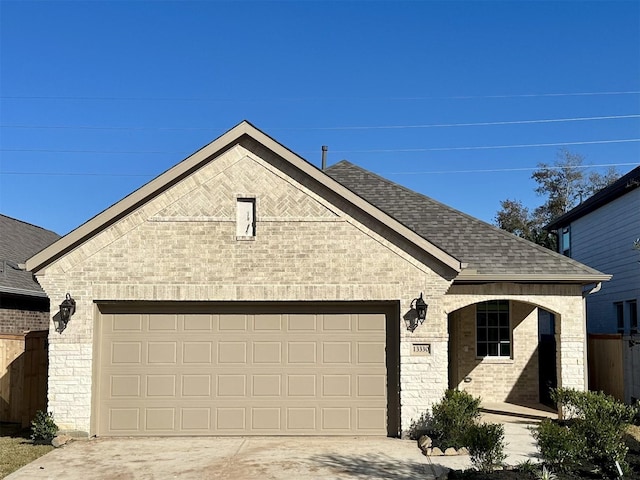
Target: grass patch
{"points": [[17, 449]]}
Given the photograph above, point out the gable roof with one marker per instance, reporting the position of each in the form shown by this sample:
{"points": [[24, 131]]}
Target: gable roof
{"points": [[455, 239], [620, 187], [19, 241], [491, 254], [192, 163]]}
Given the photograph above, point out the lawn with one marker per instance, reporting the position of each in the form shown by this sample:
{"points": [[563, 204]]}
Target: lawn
{"points": [[17, 449]]}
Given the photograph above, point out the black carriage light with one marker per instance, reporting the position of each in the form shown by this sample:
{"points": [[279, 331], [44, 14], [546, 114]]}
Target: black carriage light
{"points": [[67, 308], [420, 307]]}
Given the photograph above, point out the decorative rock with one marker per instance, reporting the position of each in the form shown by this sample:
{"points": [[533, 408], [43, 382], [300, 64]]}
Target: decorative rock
{"points": [[60, 440], [450, 452], [463, 451], [436, 452]]}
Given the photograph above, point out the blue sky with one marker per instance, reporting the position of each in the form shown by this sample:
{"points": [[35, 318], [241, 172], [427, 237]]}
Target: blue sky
{"points": [[98, 98]]}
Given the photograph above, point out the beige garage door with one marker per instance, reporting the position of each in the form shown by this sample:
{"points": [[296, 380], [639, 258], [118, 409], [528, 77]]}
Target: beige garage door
{"points": [[241, 374]]}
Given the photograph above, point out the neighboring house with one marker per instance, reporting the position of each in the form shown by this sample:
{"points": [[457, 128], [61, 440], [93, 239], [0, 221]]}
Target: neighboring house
{"points": [[601, 232], [23, 304], [246, 292]]}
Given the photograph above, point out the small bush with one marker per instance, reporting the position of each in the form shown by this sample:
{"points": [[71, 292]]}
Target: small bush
{"points": [[486, 446], [559, 446], [593, 434], [420, 426], [43, 428], [453, 416]]}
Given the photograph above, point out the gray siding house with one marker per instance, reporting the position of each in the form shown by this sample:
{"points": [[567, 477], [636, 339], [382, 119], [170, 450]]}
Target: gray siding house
{"points": [[603, 233]]}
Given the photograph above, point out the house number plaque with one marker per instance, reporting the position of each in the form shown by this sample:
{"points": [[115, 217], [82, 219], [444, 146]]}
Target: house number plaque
{"points": [[421, 349]]}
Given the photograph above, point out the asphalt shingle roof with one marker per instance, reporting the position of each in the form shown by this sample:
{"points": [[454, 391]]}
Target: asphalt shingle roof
{"points": [[483, 247], [19, 241]]}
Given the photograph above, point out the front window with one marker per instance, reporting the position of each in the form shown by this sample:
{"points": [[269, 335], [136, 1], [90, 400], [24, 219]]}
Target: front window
{"points": [[620, 316], [566, 241], [633, 316], [493, 335]]}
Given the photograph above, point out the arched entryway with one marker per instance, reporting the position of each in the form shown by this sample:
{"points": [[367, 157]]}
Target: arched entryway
{"points": [[503, 350]]}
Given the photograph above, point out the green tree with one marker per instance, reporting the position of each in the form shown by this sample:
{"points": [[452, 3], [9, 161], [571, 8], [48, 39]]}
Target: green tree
{"points": [[563, 186]]}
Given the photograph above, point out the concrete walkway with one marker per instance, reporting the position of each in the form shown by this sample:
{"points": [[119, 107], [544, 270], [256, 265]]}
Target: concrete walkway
{"points": [[276, 458]]}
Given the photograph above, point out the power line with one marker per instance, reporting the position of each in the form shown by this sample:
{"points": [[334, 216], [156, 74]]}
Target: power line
{"points": [[530, 145], [433, 172], [297, 99], [381, 127], [400, 150], [522, 169]]}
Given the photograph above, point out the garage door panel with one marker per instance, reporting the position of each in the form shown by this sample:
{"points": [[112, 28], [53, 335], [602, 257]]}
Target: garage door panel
{"points": [[301, 323], [199, 323], [240, 374], [160, 419], [195, 420], [267, 352], [163, 322], [232, 385], [232, 352], [231, 419], [197, 352]]}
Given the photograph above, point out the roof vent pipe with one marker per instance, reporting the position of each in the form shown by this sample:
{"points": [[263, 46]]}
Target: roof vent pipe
{"points": [[324, 156]]}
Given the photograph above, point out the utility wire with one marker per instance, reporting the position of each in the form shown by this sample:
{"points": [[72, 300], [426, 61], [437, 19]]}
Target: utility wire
{"points": [[530, 145], [382, 127], [433, 172], [400, 150], [413, 98], [521, 169]]}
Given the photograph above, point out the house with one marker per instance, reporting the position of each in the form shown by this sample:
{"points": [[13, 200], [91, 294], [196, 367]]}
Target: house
{"points": [[23, 304], [24, 323], [602, 232], [246, 292]]}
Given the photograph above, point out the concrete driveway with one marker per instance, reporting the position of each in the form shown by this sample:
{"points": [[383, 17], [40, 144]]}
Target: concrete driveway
{"points": [[274, 458]]}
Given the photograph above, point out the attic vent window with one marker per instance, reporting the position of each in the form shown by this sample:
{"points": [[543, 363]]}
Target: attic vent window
{"points": [[245, 218]]}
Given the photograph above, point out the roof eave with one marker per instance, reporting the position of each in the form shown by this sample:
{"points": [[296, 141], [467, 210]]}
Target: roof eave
{"points": [[23, 292], [531, 278]]}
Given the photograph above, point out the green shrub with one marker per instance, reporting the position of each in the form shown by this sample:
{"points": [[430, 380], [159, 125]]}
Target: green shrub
{"points": [[560, 447], [485, 442], [43, 428], [420, 426], [453, 416], [593, 434]]}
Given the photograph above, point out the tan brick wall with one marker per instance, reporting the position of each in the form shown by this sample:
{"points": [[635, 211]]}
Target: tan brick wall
{"points": [[512, 379], [565, 301], [181, 245]]}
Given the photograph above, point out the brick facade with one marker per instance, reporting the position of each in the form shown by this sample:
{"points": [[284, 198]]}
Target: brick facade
{"points": [[310, 246], [19, 314]]}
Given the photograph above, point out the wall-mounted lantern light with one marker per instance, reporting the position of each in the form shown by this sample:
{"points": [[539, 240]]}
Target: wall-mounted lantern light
{"points": [[420, 307], [67, 308]]}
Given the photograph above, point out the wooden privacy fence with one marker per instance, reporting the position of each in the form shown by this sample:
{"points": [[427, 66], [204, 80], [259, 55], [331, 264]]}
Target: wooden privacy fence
{"points": [[606, 364], [24, 362]]}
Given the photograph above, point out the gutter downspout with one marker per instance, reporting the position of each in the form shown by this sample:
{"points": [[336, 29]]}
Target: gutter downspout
{"points": [[587, 290]]}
